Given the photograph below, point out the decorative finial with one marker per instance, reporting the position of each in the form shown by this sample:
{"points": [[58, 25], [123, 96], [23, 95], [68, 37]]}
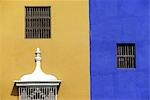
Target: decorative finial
{"points": [[38, 74], [37, 55]]}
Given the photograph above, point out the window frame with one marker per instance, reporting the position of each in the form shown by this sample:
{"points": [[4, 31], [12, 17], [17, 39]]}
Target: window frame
{"points": [[41, 32], [129, 56]]}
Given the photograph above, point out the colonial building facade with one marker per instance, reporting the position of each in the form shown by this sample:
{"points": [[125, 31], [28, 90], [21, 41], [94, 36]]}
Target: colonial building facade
{"points": [[60, 28], [120, 49]]}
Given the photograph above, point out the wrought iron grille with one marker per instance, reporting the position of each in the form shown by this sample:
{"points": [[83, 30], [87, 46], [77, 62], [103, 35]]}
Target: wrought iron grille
{"points": [[37, 93], [126, 55], [37, 22]]}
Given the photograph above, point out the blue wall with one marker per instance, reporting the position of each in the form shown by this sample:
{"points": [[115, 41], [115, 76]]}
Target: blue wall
{"points": [[117, 21]]}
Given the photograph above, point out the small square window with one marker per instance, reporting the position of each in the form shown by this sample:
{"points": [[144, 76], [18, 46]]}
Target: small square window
{"points": [[37, 22], [126, 55]]}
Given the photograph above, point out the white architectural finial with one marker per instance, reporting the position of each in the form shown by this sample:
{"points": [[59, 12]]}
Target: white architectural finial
{"points": [[38, 60], [38, 54], [38, 74]]}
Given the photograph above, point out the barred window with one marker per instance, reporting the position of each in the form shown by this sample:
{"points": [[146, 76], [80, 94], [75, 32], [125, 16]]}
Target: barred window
{"points": [[126, 55], [37, 93], [37, 22]]}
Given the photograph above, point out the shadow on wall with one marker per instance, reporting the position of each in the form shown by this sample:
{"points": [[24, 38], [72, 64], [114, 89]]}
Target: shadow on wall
{"points": [[14, 91]]}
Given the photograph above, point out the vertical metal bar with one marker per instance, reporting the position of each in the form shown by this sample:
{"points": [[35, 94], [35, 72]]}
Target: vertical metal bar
{"points": [[44, 32], [30, 12], [52, 93], [43, 11], [44, 93], [43, 89], [56, 93], [123, 62], [46, 24], [41, 93], [19, 94], [127, 50], [23, 96], [124, 50], [121, 53], [46, 12], [40, 12], [119, 62], [131, 62], [47, 33], [26, 33], [33, 12], [49, 93], [30, 33], [26, 93], [36, 93], [120, 50], [31, 23], [40, 24], [33, 34], [127, 62], [118, 65], [132, 50], [125, 56], [36, 12], [132, 57], [128, 56]]}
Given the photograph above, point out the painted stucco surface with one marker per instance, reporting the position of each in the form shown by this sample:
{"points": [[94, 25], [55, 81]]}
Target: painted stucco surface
{"points": [[112, 22], [65, 55]]}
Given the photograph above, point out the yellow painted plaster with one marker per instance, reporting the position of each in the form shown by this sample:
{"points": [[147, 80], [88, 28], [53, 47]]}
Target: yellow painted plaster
{"points": [[65, 55]]}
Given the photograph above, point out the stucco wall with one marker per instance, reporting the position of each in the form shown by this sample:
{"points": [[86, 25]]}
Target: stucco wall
{"points": [[66, 54], [119, 21]]}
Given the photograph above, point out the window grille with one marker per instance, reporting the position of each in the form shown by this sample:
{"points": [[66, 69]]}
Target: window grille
{"points": [[37, 22], [126, 55], [37, 93]]}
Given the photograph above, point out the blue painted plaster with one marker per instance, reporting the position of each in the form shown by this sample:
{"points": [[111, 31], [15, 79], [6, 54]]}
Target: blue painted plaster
{"points": [[112, 22]]}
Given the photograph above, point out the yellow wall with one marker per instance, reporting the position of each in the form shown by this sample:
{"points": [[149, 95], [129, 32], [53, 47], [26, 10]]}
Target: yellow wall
{"points": [[65, 55]]}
